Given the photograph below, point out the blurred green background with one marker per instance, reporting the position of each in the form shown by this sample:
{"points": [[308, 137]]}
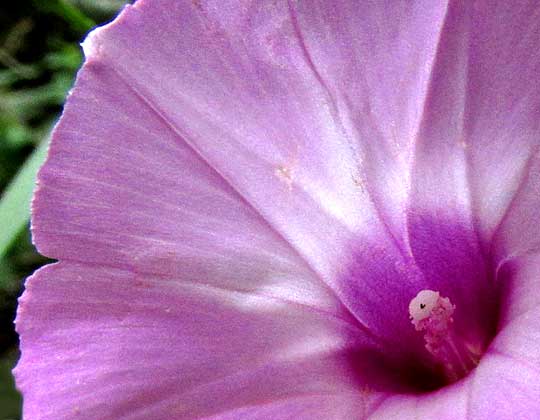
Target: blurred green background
{"points": [[39, 56]]}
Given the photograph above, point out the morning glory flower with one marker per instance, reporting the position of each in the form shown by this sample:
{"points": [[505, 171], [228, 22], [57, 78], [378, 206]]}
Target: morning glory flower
{"points": [[292, 210]]}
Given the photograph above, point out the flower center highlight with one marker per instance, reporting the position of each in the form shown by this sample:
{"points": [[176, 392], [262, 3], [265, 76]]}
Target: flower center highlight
{"points": [[432, 314]]}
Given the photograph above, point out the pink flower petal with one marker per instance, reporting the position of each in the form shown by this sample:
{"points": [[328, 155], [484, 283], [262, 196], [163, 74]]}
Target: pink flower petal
{"points": [[238, 83], [506, 384], [507, 381], [108, 343], [517, 234], [121, 189], [375, 59], [480, 125]]}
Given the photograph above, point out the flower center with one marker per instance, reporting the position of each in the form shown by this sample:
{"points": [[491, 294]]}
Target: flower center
{"points": [[432, 314]]}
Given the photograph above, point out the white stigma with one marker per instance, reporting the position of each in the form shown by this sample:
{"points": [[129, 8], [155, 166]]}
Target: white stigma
{"points": [[424, 304]]}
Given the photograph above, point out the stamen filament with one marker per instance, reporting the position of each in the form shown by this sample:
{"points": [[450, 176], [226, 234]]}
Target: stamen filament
{"points": [[432, 314]]}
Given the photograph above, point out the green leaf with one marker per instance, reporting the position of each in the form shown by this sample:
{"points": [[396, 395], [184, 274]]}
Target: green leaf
{"points": [[15, 202], [66, 57], [67, 11], [8, 279], [102, 7], [10, 400]]}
